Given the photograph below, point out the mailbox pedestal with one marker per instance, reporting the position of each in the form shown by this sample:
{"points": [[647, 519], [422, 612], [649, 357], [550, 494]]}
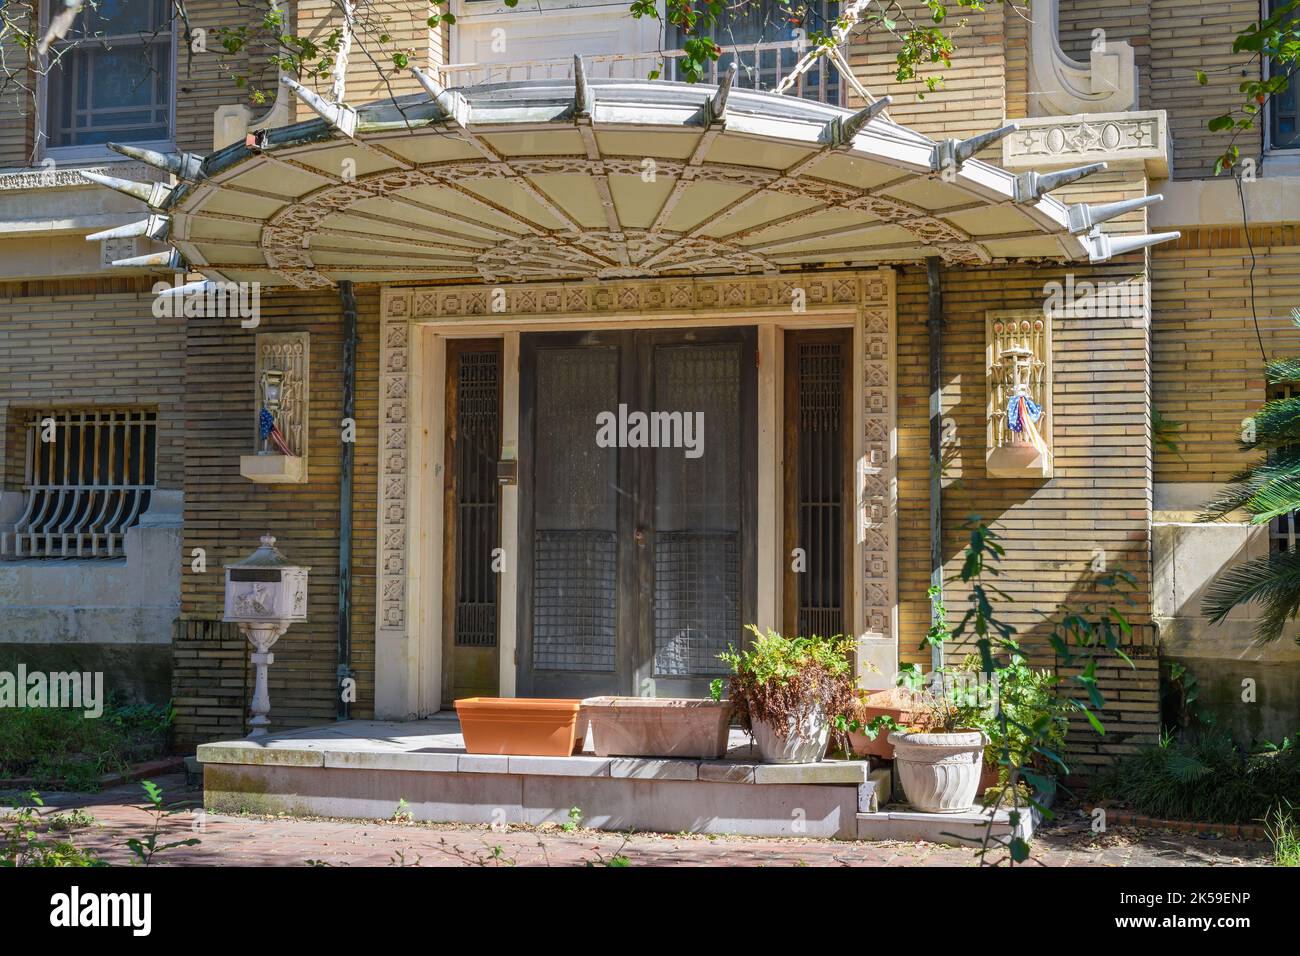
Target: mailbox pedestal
{"points": [[265, 593]]}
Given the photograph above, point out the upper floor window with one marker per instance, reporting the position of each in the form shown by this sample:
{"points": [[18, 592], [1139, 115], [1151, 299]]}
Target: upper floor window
{"points": [[1284, 108], [111, 77], [493, 43], [766, 38]]}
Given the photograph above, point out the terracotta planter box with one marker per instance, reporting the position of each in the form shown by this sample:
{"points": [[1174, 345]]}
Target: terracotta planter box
{"points": [[654, 727], [521, 726], [895, 703]]}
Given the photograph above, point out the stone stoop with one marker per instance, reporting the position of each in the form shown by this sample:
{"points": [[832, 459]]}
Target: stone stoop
{"points": [[328, 774]]}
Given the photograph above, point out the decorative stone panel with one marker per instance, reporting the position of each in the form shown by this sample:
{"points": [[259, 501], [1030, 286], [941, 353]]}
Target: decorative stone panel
{"points": [[1116, 138]]}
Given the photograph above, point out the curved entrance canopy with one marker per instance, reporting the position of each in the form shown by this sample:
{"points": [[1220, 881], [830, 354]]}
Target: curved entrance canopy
{"points": [[559, 179]]}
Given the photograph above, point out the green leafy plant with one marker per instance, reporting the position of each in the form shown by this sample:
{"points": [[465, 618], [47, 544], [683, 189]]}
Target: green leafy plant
{"points": [[716, 687], [62, 749], [1035, 713], [1284, 834], [1078, 638], [28, 840], [1264, 491], [1204, 775], [779, 678], [1180, 695], [146, 849], [1275, 39], [574, 822]]}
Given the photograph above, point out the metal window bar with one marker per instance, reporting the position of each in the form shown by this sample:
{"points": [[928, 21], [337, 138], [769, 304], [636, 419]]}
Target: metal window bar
{"points": [[1282, 530], [88, 477], [820, 514]]}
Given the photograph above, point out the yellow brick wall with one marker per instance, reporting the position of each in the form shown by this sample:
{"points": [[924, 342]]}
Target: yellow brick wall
{"points": [[89, 343], [1208, 366], [973, 98], [1100, 495], [205, 81], [1187, 36], [226, 514], [372, 74]]}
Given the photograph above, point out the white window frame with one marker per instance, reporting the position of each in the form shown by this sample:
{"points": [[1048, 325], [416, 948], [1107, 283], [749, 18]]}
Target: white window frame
{"points": [[98, 152]]}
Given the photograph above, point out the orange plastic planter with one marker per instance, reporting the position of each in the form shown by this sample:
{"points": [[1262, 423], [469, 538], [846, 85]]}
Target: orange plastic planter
{"points": [[523, 726]]}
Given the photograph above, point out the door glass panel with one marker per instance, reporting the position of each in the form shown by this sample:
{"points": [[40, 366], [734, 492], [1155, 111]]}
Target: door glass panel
{"points": [[697, 508], [575, 595]]}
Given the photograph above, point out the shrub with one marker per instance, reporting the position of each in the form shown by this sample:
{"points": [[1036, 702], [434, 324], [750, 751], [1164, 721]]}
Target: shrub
{"points": [[64, 750], [1204, 776]]}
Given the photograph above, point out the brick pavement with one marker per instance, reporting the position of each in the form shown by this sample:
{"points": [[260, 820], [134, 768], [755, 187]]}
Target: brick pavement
{"points": [[282, 841]]}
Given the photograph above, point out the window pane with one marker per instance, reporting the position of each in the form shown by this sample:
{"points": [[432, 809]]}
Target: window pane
{"points": [[113, 89], [1284, 118], [765, 40]]}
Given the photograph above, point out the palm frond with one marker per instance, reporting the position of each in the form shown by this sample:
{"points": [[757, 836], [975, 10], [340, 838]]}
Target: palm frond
{"points": [[1277, 497], [1277, 423], [1281, 466], [1185, 768], [1283, 370], [1272, 581]]}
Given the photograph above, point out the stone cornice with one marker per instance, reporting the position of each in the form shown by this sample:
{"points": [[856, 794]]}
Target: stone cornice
{"points": [[69, 177], [1117, 138]]}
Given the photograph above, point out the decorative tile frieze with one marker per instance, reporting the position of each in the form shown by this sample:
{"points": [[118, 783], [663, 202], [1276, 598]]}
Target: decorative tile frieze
{"points": [[394, 458], [807, 292]]}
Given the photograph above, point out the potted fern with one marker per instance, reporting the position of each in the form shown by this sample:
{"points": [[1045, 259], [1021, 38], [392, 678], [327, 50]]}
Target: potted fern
{"points": [[785, 690]]}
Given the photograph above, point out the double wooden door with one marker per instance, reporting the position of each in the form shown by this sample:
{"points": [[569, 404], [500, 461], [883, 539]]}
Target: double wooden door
{"points": [[637, 509]]}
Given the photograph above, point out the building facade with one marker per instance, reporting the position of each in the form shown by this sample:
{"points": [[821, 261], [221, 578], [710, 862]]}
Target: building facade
{"points": [[543, 245]]}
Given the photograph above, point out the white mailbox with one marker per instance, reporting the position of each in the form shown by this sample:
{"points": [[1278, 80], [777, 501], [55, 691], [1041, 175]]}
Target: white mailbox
{"points": [[266, 587], [265, 593]]}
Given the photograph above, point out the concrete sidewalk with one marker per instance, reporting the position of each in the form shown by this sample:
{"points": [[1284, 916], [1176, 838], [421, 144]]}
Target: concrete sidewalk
{"points": [[262, 841]]}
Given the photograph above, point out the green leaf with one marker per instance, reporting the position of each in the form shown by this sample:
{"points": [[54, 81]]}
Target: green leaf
{"points": [[1201, 78], [1019, 850], [1220, 123]]}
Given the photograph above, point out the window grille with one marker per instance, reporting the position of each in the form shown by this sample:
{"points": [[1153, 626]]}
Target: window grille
{"points": [[88, 478]]}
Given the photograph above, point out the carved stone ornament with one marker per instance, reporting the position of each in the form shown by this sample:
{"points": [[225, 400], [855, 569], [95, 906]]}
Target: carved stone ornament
{"points": [[281, 391], [1060, 86], [1019, 362]]}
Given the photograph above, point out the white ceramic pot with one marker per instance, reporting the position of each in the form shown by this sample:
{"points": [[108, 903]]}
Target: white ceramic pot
{"points": [[940, 772], [804, 741]]}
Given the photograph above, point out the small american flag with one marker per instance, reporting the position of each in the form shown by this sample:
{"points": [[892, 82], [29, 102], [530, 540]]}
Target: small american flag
{"points": [[270, 431]]}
